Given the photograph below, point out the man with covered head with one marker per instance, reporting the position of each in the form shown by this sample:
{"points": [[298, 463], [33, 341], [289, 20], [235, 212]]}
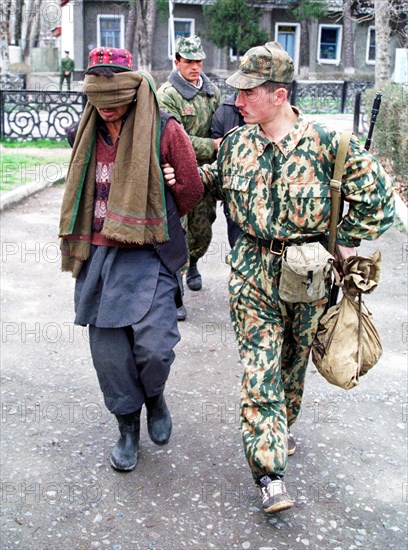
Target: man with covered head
{"points": [[192, 98], [122, 239], [274, 175]]}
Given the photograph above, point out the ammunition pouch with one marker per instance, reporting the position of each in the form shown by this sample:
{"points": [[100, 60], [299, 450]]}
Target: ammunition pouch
{"points": [[305, 269]]}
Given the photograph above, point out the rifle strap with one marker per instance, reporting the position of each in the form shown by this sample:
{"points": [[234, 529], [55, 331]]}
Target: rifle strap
{"points": [[335, 188]]}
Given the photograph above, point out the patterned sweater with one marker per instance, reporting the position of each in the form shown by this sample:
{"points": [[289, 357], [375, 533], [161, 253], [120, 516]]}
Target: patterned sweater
{"points": [[175, 148]]}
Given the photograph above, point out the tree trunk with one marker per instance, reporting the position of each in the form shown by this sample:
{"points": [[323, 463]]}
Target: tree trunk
{"points": [[312, 45], [36, 31], [348, 45], [145, 20], [18, 25], [33, 16], [5, 34], [382, 44], [5, 12], [130, 27], [304, 50], [29, 17]]}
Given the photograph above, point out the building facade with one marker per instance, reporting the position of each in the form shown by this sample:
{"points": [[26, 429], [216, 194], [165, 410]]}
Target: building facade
{"points": [[90, 23]]}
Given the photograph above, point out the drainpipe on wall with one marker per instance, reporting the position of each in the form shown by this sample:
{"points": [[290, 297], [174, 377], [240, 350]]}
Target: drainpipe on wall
{"points": [[171, 31]]}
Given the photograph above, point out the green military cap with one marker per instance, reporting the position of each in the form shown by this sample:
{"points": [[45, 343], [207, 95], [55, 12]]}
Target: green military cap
{"points": [[263, 63], [190, 47]]}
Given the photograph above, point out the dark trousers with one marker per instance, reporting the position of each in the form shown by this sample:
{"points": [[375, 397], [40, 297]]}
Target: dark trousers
{"points": [[134, 362], [68, 79]]}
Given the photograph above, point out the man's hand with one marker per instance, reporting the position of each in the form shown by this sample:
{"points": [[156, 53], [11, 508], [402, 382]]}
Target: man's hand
{"points": [[217, 142], [345, 252], [341, 254], [169, 176]]}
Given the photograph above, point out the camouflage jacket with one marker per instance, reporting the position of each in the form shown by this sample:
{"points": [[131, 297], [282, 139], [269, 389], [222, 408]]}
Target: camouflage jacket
{"points": [[194, 108], [283, 190]]}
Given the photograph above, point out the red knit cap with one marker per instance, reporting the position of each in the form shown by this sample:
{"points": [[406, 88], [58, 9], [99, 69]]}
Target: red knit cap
{"points": [[110, 57]]}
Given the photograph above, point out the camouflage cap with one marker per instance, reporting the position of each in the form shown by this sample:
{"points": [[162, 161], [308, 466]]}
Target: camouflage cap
{"points": [[263, 63], [190, 47]]}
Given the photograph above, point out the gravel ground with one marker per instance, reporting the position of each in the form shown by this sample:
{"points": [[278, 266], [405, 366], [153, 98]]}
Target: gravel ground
{"points": [[348, 475]]}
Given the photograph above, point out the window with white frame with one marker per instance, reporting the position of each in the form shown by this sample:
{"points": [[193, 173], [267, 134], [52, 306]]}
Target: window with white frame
{"points": [[233, 54], [110, 31], [182, 27], [370, 55], [329, 44]]}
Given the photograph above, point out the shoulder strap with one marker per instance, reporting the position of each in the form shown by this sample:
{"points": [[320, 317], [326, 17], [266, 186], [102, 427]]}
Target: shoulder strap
{"points": [[335, 187]]}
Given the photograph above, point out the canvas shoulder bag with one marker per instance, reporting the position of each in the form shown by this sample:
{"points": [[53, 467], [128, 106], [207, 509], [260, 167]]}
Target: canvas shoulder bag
{"points": [[346, 345]]}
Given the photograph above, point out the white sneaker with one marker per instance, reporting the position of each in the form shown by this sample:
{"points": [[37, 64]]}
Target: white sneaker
{"points": [[274, 496]]}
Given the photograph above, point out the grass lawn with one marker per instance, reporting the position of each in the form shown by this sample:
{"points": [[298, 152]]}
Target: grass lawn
{"points": [[23, 164]]}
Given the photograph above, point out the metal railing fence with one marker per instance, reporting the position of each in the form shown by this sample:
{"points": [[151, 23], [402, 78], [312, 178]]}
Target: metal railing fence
{"points": [[34, 115]]}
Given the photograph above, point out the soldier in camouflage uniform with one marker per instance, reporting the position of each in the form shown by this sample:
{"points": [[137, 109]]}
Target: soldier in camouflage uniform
{"points": [[192, 98], [274, 175]]}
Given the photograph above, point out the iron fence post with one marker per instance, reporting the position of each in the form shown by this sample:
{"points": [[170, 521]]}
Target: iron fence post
{"points": [[356, 117], [1, 114], [344, 96]]}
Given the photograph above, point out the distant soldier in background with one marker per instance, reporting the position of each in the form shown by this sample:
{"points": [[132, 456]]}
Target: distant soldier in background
{"points": [[67, 68], [192, 98]]}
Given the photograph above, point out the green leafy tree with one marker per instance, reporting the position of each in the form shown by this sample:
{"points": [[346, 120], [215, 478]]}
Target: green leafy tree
{"points": [[234, 24], [162, 9]]}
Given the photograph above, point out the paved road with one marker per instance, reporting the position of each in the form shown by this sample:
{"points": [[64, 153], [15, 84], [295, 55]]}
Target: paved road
{"points": [[58, 490]]}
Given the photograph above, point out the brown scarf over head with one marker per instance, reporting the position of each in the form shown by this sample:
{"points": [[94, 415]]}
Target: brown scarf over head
{"points": [[136, 211]]}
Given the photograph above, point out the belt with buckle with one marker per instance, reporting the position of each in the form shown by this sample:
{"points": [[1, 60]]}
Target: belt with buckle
{"points": [[275, 246]]}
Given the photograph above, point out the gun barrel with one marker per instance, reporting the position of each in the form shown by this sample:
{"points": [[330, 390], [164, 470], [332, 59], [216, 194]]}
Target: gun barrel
{"points": [[374, 112]]}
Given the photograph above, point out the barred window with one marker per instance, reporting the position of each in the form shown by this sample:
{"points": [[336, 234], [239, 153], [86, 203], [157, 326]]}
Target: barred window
{"points": [[110, 31], [370, 56], [182, 27], [329, 44]]}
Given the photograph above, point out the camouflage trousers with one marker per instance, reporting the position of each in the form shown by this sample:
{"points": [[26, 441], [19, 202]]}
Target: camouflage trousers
{"points": [[198, 226], [274, 341]]}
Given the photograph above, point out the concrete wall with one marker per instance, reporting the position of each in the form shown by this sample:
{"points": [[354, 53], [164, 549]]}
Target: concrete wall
{"points": [[44, 59]]}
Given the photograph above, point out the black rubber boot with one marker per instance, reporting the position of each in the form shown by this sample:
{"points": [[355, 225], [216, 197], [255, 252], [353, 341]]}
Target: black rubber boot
{"points": [[124, 454], [159, 422], [181, 313], [193, 276]]}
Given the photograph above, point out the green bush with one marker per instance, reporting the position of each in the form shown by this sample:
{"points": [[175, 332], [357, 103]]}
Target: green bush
{"points": [[390, 137]]}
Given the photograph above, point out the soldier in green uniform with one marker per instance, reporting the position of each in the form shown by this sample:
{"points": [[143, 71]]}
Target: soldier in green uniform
{"points": [[192, 98], [274, 175], [66, 70]]}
